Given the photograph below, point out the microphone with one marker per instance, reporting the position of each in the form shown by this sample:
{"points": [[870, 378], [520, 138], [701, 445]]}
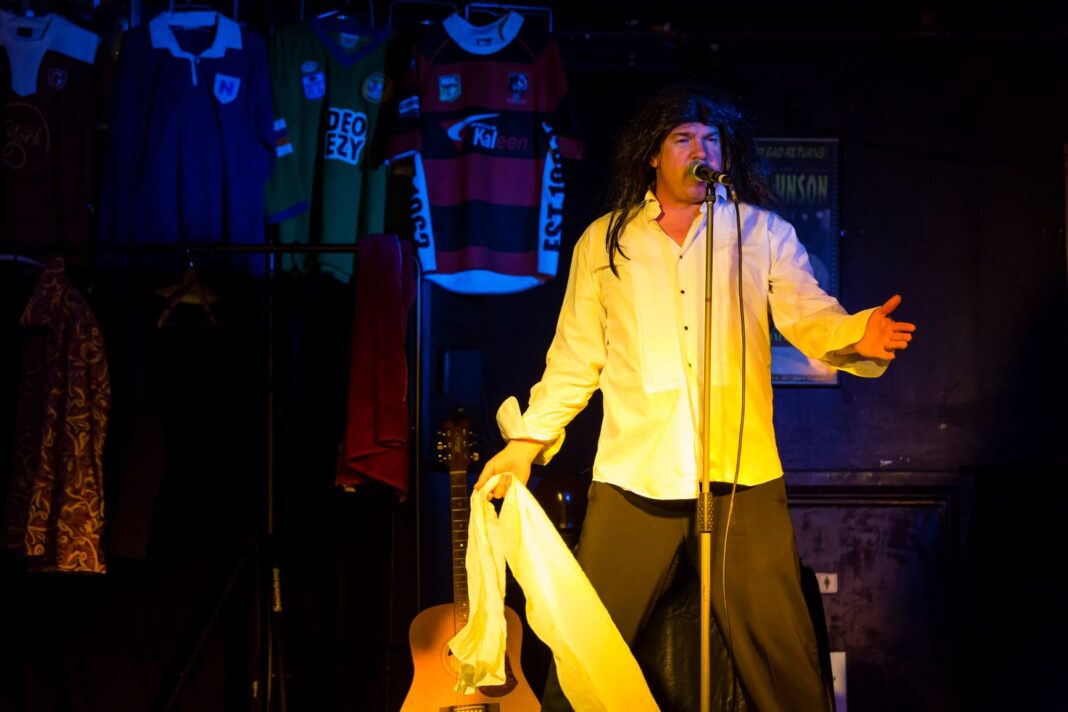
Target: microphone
{"points": [[701, 172]]}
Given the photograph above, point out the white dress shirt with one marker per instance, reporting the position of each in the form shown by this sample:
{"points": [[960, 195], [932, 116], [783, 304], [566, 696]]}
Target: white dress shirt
{"points": [[639, 338]]}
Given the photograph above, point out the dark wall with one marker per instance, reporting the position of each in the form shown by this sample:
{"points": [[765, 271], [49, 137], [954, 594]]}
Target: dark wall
{"points": [[952, 127], [952, 195]]}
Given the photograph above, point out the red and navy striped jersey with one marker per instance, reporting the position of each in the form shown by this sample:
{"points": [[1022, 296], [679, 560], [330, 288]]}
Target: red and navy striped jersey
{"points": [[485, 115]]}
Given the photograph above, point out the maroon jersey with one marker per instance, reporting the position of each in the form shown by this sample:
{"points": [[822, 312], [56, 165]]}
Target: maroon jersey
{"points": [[486, 117], [51, 96]]}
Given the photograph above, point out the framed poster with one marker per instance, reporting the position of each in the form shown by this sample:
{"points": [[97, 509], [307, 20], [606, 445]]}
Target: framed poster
{"points": [[804, 176]]}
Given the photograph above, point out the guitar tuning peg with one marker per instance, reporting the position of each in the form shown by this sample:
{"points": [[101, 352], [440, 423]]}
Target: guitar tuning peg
{"points": [[441, 447], [475, 457]]}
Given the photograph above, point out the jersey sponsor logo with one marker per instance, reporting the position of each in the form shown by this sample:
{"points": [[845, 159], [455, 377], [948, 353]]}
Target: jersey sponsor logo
{"points": [[422, 228], [552, 206], [26, 137], [57, 78], [376, 87], [478, 132], [449, 87], [226, 88], [346, 135], [408, 107], [314, 85], [518, 84], [457, 131]]}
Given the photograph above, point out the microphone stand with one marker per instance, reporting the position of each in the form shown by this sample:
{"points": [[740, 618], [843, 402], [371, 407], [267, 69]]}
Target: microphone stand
{"points": [[704, 498]]}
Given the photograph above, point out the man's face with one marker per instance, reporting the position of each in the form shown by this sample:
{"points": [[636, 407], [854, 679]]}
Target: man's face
{"points": [[686, 143]]}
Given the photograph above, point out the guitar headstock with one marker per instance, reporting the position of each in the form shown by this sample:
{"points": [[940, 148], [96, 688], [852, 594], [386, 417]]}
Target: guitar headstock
{"points": [[456, 443]]}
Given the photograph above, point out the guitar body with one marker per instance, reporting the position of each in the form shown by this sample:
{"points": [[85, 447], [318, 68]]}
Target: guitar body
{"points": [[437, 670]]}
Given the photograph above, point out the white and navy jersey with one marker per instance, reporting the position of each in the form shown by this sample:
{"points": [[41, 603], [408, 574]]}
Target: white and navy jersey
{"points": [[485, 115], [328, 77], [53, 90], [191, 134]]}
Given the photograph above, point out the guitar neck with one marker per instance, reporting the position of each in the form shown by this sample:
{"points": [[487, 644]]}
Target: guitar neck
{"points": [[461, 514]]}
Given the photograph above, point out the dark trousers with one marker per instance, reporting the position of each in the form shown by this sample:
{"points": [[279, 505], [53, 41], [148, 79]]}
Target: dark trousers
{"points": [[627, 548]]}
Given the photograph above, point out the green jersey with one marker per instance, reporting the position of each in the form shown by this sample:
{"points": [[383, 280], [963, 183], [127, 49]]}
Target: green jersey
{"points": [[328, 77]]}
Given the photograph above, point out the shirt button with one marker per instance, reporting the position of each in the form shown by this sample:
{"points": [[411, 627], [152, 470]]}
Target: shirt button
{"points": [[682, 291], [686, 328]]}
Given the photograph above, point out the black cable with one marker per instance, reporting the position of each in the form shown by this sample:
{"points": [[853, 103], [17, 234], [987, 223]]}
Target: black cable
{"points": [[741, 430]]}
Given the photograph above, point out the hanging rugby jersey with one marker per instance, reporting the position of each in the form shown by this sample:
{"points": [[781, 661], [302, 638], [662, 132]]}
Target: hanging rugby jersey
{"points": [[486, 116], [51, 91], [329, 79], [191, 144]]}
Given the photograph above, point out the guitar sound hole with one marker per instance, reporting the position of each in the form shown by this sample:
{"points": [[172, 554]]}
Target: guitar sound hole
{"points": [[510, 682]]}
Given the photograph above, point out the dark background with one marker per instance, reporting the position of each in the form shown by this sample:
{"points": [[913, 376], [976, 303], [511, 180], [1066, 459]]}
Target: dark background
{"points": [[952, 125]]}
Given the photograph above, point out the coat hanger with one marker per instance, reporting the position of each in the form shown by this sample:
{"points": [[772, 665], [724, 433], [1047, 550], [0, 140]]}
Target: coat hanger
{"points": [[342, 12], [190, 6], [442, 7], [19, 259], [28, 8], [189, 291]]}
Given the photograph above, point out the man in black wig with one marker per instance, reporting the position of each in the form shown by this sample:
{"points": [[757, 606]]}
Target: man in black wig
{"points": [[632, 324]]}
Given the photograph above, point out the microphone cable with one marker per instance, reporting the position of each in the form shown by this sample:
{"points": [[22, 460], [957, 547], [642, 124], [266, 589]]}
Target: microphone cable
{"points": [[738, 457]]}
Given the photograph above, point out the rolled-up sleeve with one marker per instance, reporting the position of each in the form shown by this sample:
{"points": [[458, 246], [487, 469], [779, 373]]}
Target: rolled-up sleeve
{"points": [[574, 360]]}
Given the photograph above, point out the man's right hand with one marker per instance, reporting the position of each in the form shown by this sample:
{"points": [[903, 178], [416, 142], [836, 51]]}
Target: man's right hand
{"points": [[513, 461]]}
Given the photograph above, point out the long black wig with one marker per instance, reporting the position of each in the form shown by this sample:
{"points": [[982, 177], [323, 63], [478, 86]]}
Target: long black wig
{"points": [[640, 140]]}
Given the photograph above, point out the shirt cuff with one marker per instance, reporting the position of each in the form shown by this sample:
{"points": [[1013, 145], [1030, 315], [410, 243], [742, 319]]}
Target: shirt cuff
{"points": [[513, 427], [848, 333]]}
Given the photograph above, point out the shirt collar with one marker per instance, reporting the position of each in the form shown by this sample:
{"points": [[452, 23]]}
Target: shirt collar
{"points": [[227, 32], [40, 28], [651, 207], [484, 39]]}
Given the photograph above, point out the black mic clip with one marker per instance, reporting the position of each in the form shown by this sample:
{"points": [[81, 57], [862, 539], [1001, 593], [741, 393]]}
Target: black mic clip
{"points": [[703, 173]]}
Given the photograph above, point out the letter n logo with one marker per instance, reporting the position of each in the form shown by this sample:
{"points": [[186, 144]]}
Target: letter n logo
{"points": [[226, 88]]}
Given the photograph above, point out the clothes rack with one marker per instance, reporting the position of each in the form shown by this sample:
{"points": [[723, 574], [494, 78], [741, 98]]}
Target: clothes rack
{"points": [[268, 684]]}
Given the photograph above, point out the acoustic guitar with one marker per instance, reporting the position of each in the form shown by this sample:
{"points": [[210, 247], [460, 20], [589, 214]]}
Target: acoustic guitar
{"points": [[436, 669]]}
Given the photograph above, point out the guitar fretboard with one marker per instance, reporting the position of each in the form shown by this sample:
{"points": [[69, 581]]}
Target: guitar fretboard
{"points": [[461, 514]]}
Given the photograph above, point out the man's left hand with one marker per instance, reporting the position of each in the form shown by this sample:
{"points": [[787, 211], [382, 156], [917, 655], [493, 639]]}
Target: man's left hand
{"points": [[883, 336]]}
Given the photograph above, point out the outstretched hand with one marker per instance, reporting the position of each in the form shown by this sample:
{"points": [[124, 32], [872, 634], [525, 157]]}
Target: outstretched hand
{"points": [[883, 336]]}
